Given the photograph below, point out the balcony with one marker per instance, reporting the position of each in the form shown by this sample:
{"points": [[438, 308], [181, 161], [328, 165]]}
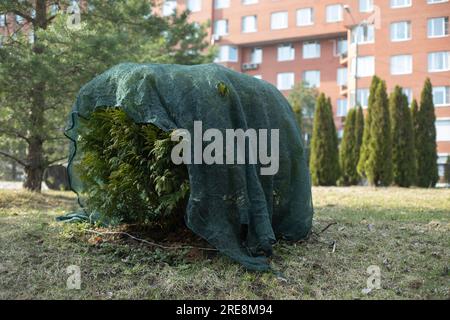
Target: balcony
{"points": [[343, 90], [343, 58]]}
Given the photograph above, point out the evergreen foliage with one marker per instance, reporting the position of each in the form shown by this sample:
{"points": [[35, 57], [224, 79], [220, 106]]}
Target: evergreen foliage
{"points": [[403, 154], [447, 171], [45, 60], [427, 170], [350, 146], [367, 125], [127, 172], [324, 159], [378, 166]]}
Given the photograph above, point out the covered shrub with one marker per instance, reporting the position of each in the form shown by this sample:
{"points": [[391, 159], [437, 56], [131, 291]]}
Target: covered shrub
{"points": [[126, 170], [123, 169]]}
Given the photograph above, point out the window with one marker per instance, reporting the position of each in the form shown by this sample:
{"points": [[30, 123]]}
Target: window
{"points": [[342, 76], [285, 81], [442, 129], [312, 78], [2, 20], [438, 27], [341, 108], [279, 20], [401, 64], [362, 97], [436, 1], [408, 93], [305, 17], [249, 1], [364, 34], [227, 54], [249, 24], [441, 96], [365, 5], [286, 52], [194, 5], [221, 27], [442, 161], [334, 13], [256, 55], [258, 76], [311, 49], [220, 4], [341, 46], [169, 7], [400, 3], [438, 61], [401, 31], [365, 66]]}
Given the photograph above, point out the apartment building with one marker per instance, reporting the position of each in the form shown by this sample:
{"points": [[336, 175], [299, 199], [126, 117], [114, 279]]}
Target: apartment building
{"points": [[334, 45]]}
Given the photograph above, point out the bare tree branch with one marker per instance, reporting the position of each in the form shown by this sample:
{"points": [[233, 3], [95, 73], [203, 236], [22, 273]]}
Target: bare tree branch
{"points": [[13, 133], [7, 155]]}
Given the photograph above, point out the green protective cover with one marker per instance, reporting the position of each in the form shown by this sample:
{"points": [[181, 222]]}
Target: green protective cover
{"points": [[224, 199]]}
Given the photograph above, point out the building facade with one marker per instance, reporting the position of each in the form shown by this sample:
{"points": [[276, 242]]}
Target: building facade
{"points": [[336, 46]]}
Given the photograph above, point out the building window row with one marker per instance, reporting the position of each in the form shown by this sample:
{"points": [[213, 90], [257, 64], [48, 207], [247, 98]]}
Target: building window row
{"points": [[333, 12], [441, 96], [401, 30], [286, 80]]}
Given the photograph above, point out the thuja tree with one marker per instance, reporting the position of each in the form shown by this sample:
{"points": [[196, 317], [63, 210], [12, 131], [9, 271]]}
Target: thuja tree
{"points": [[350, 146], [44, 60], [403, 154], [126, 170], [415, 125], [447, 171], [359, 132], [427, 170], [367, 128], [324, 159], [378, 166]]}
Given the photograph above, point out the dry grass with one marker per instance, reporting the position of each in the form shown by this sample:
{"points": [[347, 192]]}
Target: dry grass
{"points": [[404, 232]]}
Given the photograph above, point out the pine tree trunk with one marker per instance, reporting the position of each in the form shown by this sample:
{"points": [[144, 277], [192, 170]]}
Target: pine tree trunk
{"points": [[35, 169], [36, 163]]}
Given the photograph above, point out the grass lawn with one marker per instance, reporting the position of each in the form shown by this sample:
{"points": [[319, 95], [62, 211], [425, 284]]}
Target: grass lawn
{"points": [[404, 232]]}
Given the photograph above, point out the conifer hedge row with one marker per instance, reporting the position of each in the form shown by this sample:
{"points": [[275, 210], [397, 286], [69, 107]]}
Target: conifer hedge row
{"points": [[392, 145]]}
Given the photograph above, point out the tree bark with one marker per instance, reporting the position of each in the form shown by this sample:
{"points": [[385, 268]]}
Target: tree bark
{"points": [[35, 167], [36, 162]]}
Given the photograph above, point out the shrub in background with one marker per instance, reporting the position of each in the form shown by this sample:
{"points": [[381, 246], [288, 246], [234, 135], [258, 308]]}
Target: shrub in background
{"points": [[126, 170], [447, 171], [403, 154], [378, 165], [350, 147], [427, 170], [324, 158], [367, 125]]}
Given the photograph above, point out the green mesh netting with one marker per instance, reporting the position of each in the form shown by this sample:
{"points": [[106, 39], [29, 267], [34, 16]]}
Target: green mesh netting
{"points": [[224, 199]]}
